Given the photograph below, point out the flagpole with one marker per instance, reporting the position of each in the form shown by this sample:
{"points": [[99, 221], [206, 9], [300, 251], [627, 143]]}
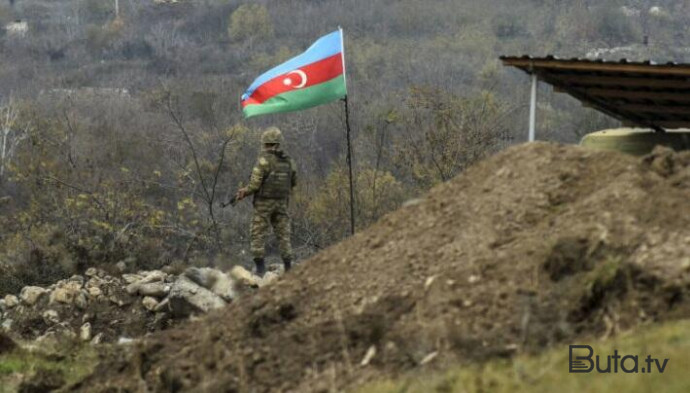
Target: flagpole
{"points": [[348, 132], [349, 164]]}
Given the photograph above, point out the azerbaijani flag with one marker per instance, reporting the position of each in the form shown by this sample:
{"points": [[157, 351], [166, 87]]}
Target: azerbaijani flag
{"points": [[315, 77]]}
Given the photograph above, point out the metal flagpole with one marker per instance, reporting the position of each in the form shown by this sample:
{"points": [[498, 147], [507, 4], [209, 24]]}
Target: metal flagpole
{"points": [[349, 143], [533, 108]]}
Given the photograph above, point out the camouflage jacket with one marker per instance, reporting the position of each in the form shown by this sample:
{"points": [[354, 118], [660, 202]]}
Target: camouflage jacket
{"points": [[274, 176]]}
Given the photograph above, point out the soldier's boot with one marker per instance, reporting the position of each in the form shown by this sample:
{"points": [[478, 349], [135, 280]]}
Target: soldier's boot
{"points": [[287, 263], [260, 266]]}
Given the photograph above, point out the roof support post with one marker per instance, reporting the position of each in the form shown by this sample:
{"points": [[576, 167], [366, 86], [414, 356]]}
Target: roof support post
{"points": [[533, 108]]}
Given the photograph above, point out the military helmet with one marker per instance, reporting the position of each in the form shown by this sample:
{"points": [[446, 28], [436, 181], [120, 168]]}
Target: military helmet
{"points": [[272, 135]]}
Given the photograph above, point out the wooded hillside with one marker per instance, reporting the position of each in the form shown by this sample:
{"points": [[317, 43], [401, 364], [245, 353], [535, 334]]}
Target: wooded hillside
{"points": [[121, 133]]}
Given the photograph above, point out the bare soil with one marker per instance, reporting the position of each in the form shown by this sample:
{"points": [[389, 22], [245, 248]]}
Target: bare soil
{"points": [[538, 245]]}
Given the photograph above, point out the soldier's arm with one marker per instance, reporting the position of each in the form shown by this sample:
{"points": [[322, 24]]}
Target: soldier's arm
{"points": [[258, 173]]}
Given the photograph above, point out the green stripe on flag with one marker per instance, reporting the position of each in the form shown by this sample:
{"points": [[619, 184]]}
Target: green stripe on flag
{"points": [[297, 100]]}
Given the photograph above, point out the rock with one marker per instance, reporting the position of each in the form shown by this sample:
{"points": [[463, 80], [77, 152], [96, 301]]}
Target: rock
{"points": [[30, 295], [187, 297], [78, 279], [3, 306], [243, 276], [97, 339], [85, 332], [269, 278], [155, 289], [115, 300], [7, 325], [154, 276], [95, 292], [131, 278], [51, 317], [371, 352], [66, 293], [150, 303], [218, 282], [91, 272], [11, 301], [80, 301], [163, 306]]}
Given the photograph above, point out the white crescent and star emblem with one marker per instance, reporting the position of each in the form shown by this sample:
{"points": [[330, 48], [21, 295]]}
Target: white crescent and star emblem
{"points": [[288, 81]]}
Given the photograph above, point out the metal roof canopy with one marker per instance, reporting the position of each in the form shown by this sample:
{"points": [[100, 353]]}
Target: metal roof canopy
{"points": [[643, 94]]}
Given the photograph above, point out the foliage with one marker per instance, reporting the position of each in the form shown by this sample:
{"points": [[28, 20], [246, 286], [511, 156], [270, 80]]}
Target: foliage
{"points": [[377, 193], [250, 22], [444, 134]]}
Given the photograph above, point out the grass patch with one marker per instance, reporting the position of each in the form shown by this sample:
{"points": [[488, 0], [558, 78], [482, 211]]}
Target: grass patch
{"points": [[548, 372], [18, 365]]}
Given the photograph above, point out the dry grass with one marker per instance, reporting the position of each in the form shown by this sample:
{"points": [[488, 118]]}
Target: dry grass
{"points": [[548, 372]]}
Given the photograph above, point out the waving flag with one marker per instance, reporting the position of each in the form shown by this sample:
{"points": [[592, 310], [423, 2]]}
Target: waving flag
{"points": [[315, 77]]}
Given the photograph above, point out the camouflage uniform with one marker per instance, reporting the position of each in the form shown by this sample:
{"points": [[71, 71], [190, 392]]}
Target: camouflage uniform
{"points": [[271, 183]]}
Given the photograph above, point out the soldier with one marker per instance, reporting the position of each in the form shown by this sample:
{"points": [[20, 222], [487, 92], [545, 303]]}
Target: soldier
{"points": [[273, 178]]}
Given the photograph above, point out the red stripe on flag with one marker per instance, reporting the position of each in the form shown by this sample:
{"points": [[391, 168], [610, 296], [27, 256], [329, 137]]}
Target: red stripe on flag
{"points": [[316, 73]]}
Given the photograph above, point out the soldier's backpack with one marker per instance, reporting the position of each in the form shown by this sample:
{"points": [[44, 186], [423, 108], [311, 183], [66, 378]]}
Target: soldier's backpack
{"points": [[278, 182]]}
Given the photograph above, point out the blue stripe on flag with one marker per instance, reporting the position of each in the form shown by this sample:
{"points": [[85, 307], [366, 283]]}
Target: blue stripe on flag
{"points": [[326, 46]]}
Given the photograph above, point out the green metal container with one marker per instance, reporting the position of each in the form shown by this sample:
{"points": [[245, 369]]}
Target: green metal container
{"points": [[636, 141]]}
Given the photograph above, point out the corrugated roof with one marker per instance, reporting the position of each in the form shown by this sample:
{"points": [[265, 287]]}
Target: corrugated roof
{"points": [[644, 94]]}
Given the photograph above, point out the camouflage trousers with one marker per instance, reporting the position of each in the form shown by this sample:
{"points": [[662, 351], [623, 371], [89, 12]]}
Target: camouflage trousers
{"points": [[270, 213]]}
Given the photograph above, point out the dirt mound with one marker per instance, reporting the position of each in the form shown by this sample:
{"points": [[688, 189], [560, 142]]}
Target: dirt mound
{"points": [[537, 245]]}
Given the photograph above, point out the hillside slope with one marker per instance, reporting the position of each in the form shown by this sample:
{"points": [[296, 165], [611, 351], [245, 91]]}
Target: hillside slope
{"points": [[534, 246]]}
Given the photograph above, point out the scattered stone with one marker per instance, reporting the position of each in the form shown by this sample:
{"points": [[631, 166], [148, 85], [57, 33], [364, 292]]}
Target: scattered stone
{"points": [[97, 339], [412, 202], [154, 276], [85, 332], [125, 340], [7, 325], [131, 278], [95, 292], [91, 272], [115, 300], [215, 280], [187, 297], [429, 281], [269, 278], [371, 352], [30, 295], [78, 279], [66, 293], [428, 358], [155, 289], [150, 303], [163, 306], [51, 317], [243, 276], [81, 301], [11, 301]]}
